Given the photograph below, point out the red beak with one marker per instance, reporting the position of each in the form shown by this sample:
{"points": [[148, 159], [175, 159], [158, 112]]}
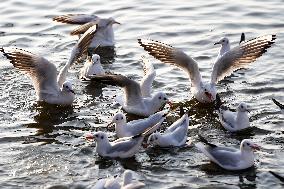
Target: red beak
{"points": [[255, 147], [209, 95], [89, 136]]}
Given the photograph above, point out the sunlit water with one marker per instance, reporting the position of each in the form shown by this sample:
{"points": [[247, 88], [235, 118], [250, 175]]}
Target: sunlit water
{"points": [[43, 146]]}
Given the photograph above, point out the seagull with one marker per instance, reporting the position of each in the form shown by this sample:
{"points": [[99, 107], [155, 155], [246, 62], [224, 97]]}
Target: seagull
{"points": [[134, 102], [92, 67], [175, 135], [125, 147], [104, 32], [132, 128], [236, 58], [234, 121], [230, 158], [113, 183], [281, 106], [50, 87]]}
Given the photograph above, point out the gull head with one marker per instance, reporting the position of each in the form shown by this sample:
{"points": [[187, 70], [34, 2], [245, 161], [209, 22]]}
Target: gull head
{"points": [[243, 107], [224, 41], [96, 59], [100, 136], [113, 21], [209, 91], [247, 145], [153, 138], [119, 119], [67, 87], [161, 98]]}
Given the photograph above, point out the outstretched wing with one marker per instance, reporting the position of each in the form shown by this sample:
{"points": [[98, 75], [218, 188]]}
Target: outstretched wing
{"points": [[41, 71], [80, 48], [83, 28], [75, 18], [149, 76], [241, 56], [170, 55], [131, 88]]}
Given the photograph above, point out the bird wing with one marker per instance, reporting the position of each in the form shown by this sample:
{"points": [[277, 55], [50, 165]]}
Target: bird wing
{"points": [[123, 146], [131, 88], [83, 28], [40, 70], [149, 76], [170, 55], [80, 48], [75, 18], [241, 56]]}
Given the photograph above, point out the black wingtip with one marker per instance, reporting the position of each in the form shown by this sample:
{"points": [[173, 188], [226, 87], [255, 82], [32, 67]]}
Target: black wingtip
{"points": [[243, 38], [137, 136], [202, 139], [281, 106], [277, 176]]}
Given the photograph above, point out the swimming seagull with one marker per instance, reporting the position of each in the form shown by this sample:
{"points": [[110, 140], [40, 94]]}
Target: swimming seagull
{"points": [[134, 102], [125, 147], [49, 86], [236, 58], [174, 136], [230, 158], [113, 183], [104, 32], [132, 128], [92, 67], [281, 106], [234, 121]]}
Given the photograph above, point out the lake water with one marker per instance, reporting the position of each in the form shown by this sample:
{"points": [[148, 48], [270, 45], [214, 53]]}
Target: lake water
{"points": [[43, 146]]}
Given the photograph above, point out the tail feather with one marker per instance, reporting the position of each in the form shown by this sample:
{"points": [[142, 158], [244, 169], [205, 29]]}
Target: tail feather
{"points": [[202, 139]]}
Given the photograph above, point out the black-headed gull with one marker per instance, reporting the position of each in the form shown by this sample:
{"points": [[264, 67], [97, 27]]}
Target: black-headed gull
{"points": [[125, 147], [49, 86], [113, 183], [230, 158], [133, 101], [281, 106], [234, 121], [132, 128], [238, 57], [92, 67], [104, 33], [174, 136]]}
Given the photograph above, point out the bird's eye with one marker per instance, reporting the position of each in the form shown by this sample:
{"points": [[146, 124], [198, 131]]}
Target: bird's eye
{"points": [[121, 118], [116, 119], [160, 97], [102, 137], [165, 98], [205, 90], [66, 87], [247, 143], [96, 135], [223, 40]]}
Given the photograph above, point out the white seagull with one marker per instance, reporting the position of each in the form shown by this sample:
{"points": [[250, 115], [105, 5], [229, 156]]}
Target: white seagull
{"points": [[174, 136], [113, 183], [132, 128], [230, 158], [231, 60], [125, 147], [50, 87], [134, 102], [92, 67], [281, 106], [234, 121], [104, 32]]}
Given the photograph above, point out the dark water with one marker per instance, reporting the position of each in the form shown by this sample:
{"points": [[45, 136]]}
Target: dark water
{"points": [[43, 146]]}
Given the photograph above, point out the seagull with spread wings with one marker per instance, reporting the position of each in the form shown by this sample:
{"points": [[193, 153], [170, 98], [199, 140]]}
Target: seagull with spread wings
{"points": [[230, 60], [50, 87], [104, 32]]}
